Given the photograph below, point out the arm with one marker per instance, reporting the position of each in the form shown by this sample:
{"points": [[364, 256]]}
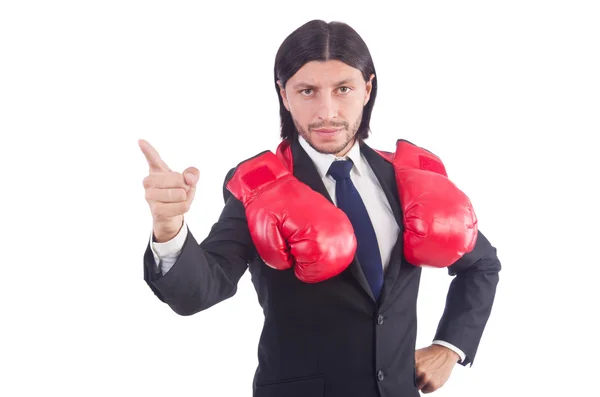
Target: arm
{"points": [[165, 254], [470, 298], [207, 273]]}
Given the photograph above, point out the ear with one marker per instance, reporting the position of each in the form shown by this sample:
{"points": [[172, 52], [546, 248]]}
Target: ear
{"points": [[283, 95], [368, 90]]}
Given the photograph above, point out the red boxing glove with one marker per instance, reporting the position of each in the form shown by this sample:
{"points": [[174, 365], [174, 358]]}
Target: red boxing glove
{"points": [[440, 225], [291, 224]]}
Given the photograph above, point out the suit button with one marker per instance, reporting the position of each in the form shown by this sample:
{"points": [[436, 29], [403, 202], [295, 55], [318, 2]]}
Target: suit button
{"points": [[380, 319], [380, 375]]}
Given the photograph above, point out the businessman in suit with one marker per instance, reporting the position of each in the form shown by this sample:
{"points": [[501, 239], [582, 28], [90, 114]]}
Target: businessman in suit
{"points": [[334, 327]]}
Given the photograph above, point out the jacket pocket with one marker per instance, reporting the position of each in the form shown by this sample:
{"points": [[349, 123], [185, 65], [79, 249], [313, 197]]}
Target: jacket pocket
{"points": [[313, 386]]}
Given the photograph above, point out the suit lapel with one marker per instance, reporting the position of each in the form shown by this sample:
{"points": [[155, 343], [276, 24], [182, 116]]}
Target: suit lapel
{"points": [[305, 170]]}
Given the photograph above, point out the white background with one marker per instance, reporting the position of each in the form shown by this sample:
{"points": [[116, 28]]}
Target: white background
{"points": [[506, 93]]}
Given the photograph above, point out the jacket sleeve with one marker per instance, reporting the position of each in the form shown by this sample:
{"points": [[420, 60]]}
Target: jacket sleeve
{"points": [[470, 298], [207, 273]]}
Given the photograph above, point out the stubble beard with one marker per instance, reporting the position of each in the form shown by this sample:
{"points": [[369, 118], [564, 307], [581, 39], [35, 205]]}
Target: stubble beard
{"points": [[350, 134]]}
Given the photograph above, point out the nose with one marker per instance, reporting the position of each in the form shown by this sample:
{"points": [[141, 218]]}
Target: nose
{"points": [[327, 108]]}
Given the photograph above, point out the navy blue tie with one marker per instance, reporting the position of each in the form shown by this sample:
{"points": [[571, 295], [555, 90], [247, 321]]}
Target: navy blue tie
{"points": [[348, 200]]}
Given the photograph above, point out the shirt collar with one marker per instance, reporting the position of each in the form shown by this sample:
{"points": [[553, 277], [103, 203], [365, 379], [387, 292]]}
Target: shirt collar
{"points": [[324, 161]]}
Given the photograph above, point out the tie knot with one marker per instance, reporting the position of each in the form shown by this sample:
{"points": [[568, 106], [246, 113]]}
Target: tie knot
{"points": [[340, 169]]}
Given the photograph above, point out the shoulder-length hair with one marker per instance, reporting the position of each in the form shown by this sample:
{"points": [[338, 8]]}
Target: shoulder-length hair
{"points": [[318, 40]]}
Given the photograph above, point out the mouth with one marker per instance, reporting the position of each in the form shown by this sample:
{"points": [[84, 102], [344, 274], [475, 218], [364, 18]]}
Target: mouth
{"points": [[327, 131]]}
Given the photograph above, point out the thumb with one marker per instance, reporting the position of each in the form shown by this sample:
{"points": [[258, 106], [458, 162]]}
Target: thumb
{"points": [[191, 176]]}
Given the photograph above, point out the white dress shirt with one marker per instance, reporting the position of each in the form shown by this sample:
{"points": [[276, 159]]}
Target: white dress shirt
{"points": [[365, 181]]}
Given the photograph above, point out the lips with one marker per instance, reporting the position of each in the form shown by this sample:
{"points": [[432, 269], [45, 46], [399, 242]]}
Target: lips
{"points": [[327, 130]]}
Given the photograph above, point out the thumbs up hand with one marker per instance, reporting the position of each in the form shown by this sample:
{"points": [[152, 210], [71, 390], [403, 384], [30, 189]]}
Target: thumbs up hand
{"points": [[169, 194]]}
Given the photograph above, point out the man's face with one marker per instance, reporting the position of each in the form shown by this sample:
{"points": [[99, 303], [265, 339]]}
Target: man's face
{"points": [[326, 101]]}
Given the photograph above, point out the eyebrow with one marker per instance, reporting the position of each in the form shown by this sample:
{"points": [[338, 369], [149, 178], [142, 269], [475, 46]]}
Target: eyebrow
{"points": [[311, 86]]}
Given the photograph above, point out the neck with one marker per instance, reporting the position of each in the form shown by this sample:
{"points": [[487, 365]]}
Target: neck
{"points": [[346, 149]]}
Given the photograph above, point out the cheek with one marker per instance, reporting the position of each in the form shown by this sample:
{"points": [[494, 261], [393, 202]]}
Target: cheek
{"points": [[353, 109], [301, 111]]}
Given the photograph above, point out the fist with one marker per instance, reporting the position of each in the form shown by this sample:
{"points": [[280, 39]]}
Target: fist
{"points": [[169, 194], [433, 366]]}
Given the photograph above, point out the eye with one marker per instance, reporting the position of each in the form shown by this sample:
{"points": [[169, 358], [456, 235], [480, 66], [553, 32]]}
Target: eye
{"points": [[304, 91], [345, 90]]}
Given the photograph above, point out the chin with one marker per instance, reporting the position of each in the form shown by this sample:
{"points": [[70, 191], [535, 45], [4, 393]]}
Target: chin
{"points": [[330, 147]]}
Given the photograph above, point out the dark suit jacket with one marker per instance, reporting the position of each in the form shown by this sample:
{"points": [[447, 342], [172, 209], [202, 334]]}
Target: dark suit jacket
{"points": [[329, 339]]}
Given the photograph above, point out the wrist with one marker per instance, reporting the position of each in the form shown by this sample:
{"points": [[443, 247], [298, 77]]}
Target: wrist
{"points": [[448, 353], [165, 231], [451, 354]]}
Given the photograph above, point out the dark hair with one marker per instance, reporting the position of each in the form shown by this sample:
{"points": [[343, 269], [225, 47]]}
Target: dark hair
{"points": [[318, 40]]}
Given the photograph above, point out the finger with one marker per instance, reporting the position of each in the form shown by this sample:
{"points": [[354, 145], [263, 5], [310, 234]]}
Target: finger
{"points": [[166, 195], [163, 211], [191, 175], [163, 180], [421, 381], [155, 163]]}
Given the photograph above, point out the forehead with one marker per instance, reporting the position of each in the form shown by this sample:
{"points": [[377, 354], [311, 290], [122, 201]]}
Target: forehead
{"points": [[320, 73]]}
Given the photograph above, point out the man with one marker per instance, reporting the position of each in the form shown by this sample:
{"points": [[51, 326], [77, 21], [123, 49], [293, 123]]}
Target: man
{"points": [[337, 288]]}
